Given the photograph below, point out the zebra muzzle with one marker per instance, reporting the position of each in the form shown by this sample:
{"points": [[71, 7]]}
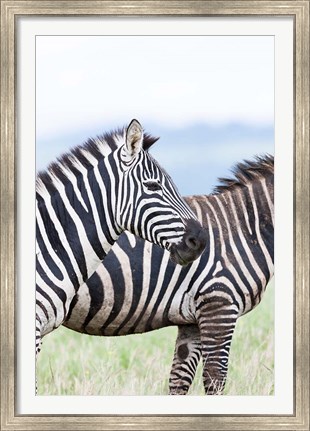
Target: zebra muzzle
{"points": [[192, 244]]}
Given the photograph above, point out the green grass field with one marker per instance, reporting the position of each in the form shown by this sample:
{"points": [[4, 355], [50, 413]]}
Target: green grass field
{"points": [[74, 364]]}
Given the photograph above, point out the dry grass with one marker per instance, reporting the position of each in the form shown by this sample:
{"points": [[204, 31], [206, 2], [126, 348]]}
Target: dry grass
{"points": [[75, 364]]}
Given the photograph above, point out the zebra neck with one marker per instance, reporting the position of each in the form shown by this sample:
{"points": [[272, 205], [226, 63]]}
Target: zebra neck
{"points": [[76, 220], [240, 217]]}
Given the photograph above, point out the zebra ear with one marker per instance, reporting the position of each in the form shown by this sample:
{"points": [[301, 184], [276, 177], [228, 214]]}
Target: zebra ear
{"points": [[134, 139]]}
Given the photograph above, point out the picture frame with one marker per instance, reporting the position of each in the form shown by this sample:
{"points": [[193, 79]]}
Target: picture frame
{"points": [[10, 10]]}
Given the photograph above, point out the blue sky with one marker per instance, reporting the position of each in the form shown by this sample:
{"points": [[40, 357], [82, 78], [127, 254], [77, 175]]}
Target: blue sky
{"points": [[210, 99]]}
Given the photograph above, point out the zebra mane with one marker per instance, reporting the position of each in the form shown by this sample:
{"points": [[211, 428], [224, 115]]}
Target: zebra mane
{"points": [[88, 154], [245, 172]]}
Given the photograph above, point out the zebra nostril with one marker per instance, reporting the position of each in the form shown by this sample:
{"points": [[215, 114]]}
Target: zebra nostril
{"points": [[192, 242]]}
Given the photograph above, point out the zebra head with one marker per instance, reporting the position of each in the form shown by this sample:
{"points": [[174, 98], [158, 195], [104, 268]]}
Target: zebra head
{"points": [[154, 209]]}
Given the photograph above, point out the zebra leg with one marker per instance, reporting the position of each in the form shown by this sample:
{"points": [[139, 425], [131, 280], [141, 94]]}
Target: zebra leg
{"points": [[38, 335], [216, 321], [38, 342], [186, 357]]}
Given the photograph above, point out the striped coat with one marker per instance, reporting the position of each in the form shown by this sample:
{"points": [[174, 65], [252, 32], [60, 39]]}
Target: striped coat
{"points": [[86, 199], [138, 289]]}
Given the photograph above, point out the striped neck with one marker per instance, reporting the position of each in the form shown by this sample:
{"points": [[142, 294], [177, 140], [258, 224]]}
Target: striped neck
{"points": [[76, 218], [241, 215]]}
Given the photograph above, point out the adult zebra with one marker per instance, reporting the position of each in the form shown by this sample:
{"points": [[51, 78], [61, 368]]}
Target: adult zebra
{"points": [[137, 289], [86, 199]]}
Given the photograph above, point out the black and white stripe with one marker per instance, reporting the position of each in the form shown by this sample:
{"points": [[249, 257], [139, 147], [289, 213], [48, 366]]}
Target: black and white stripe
{"points": [[138, 289], [86, 199]]}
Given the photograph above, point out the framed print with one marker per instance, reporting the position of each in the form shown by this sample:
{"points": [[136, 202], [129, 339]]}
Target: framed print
{"points": [[219, 82]]}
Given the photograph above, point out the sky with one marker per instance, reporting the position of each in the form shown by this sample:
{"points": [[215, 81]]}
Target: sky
{"points": [[210, 99]]}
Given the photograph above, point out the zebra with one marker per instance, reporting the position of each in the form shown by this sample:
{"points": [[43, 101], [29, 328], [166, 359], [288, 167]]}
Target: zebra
{"points": [[138, 289], [86, 199]]}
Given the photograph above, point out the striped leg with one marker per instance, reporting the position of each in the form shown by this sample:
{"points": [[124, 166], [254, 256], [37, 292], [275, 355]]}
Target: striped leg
{"points": [[38, 335], [217, 323], [186, 357], [38, 342]]}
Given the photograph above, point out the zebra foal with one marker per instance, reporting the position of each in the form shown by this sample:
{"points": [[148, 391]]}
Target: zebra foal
{"points": [[138, 289], [86, 199]]}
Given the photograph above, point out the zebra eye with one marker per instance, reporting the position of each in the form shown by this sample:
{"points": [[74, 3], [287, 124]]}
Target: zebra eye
{"points": [[153, 186]]}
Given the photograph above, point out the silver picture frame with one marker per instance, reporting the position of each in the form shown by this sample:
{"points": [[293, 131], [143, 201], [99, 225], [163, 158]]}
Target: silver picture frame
{"points": [[10, 10]]}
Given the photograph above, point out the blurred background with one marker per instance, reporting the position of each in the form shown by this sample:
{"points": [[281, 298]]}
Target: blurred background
{"points": [[210, 99]]}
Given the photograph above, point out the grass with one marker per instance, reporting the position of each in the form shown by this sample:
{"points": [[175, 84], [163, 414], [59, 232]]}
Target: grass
{"points": [[74, 364]]}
